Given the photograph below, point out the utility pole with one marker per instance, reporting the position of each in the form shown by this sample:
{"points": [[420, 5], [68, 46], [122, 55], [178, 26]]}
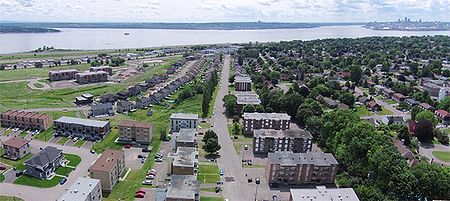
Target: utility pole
{"points": [[256, 193]]}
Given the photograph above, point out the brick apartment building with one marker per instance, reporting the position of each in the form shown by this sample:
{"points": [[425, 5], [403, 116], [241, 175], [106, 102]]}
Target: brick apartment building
{"points": [[92, 77], [256, 121], [68, 74], [16, 148], [269, 140], [107, 69], [184, 161], [135, 132], [25, 120], [82, 128], [243, 83], [108, 168], [288, 168]]}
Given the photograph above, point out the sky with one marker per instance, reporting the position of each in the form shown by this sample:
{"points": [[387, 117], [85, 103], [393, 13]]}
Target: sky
{"points": [[222, 10]]}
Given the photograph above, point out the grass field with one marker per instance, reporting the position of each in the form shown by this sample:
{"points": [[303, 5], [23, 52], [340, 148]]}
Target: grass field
{"points": [[27, 73], [33, 181], [385, 111], [73, 159], [362, 111], [208, 173], [63, 140], [204, 198], [442, 155], [79, 143], [64, 171], [389, 101], [2, 177], [210, 189], [9, 198]]}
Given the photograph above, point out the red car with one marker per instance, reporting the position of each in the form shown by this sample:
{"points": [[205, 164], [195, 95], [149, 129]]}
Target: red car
{"points": [[139, 195], [127, 146], [151, 173], [2, 167], [140, 191]]}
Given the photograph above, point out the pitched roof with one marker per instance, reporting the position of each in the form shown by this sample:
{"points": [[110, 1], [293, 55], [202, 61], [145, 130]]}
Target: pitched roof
{"points": [[47, 155], [16, 142]]}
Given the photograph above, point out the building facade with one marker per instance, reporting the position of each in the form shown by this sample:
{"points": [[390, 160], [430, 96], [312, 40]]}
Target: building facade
{"points": [[269, 140], [92, 77], [68, 74], [102, 109], [125, 106], [44, 164], [16, 148], [242, 83], [135, 132], [184, 161], [82, 128], [107, 69], [256, 121], [25, 120], [108, 168], [288, 168], [181, 120], [83, 189]]}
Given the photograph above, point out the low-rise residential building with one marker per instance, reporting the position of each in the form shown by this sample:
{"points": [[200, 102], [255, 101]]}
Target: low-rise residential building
{"points": [[44, 164], [92, 77], [443, 92], [107, 69], [426, 106], [270, 140], [184, 161], [183, 187], [255, 121], [322, 193], [288, 168], [135, 132], [443, 116], [108, 98], [397, 120], [388, 93], [411, 102], [373, 106], [405, 152], [108, 168], [16, 148], [186, 137], [242, 83], [25, 120], [125, 106], [182, 120], [330, 103], [246, 98], [68, 74], [82, 128], [102, 109], [379, 89], [83, 189], [84, 99], [398, 97], [432, 88]]}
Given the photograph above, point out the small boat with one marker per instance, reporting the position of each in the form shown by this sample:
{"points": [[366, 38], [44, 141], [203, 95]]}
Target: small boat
{"points": [[126, 34]]}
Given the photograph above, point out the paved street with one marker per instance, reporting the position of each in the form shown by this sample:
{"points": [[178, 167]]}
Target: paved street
{"points": [[386, 105], [29, 193], [426, 149]]}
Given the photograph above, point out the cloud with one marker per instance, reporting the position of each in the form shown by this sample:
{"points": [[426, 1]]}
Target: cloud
{"points": [[26, 3]]}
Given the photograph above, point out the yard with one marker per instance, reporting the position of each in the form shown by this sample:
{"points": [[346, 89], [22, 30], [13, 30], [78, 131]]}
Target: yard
{"points": [[74, 160], [385, 111], [33, 181], [18, 164], [9, 198], [442, 155], [208, 173], [389, 101], [204, 198], [362, 111], [63, 171]]}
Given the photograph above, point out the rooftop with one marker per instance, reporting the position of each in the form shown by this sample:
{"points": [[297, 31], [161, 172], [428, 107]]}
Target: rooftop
{"points": [[183, 116], [186, 135], [292, 133], [138, 124], [91, 73], [185, 156], [107, 160], [183, 187], [16, 142], [321, 193], [80, 189], [45, 156], [63, 71], [290, 158], [262, 116], [86, 122], [247, 98], [244, 78]]}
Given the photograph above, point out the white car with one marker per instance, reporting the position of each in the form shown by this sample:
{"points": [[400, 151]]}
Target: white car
{"points": [[150, 177], [147, 182]]}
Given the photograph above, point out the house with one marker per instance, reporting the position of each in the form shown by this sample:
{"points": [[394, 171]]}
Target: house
{"points": [[398, 97], [411, 102], [405, 152], [83, 189], [181, 120], [84, 99], [108, 98], [135, 132], [322, 193], [330, 103], [103, 109], [289, 168], [432, 88], [184, 161], [398, 120], [16, 148], [183, 187], [270, 140], [122, 95], [379, 89], [25, 120], [43, 164], [388, 93], [373, 106], [426, 106], [256, 121], [134, 91], [82, 128], [108, 168], [363, 99], [342, 106], [125, 106], [443, 116]]}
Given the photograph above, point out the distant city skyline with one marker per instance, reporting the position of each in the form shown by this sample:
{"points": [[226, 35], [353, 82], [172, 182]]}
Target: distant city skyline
{"points": [[222, 11]]}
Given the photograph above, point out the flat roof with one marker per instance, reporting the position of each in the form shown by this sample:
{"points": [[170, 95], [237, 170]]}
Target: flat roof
{"points": [[183, 187], [63, 71], [185, 156], [183, 116], [291, 158], [186, 135], [80, 189], [91, 73], [86, 122], [138, 124], [271, 116], [321, 193], [247, 98], [107, 160], [242, 78], [291, 133]]}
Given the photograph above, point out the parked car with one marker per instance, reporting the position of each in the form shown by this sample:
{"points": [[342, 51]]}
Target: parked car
{"points": [[75, 139], [2, 167], [92, 152], [158, 160], [250, 180], [19, 173], [152, 170], [151, 173], [219, 182], [221, 172], [141, 156], [150, 177], [127, 146], [147, 182], [140, 191], [63, 181], [257, 180], [249, 162], [245, 147], [217, 189], [139, 195], [142, 160]]}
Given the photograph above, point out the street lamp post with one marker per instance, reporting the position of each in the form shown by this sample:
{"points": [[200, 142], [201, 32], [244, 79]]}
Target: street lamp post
{"points": [[256, 193]]}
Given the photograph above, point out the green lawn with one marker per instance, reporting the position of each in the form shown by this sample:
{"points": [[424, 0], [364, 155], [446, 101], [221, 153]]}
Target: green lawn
{"points": [[208, 173], [45, 135], [211, 189], [107, 142], [79, 143], [64, 171], [442, 155], [33, 181], [389, 101], [9, 198], [213, 100], [205, 125], [204, 198], [18, 164], [23, 134], [362, 111], [73, 159], [63, 140], [2, 177], [27, 73], [385, 111]]}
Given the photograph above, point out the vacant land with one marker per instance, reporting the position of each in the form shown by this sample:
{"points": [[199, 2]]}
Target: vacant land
{"points": [[28, 73], [442, 155]]}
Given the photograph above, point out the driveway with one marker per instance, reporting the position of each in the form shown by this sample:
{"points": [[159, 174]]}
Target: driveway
{"points": [[426, 149], [131, 158]]}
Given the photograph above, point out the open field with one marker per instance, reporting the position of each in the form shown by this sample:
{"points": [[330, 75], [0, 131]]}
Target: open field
{"points": [[60, 53], [442, 155], [385, 111], [362, 111], [208, 173], [28, 73]]}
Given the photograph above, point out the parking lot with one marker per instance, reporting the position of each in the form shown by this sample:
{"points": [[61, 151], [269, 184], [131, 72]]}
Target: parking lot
{"points": [[131, 158]]}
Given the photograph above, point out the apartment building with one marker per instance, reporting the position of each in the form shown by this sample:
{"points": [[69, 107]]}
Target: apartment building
{"points": [[184, 161], [186, 137], [84, 99], [288, 168], [108, 168], [322, 193], [107, 69], [183, 188], [16, 148], [246, 98], [25, 120], [135, 132], [256, 121], [92, 77], [242, 83], [44, 164], [82, 128], [83, 189], [182, 120], [102, 109], [68, 74], [270, 140]]}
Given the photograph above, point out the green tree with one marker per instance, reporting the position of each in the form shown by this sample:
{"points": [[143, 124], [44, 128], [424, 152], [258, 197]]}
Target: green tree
{"points": [[210, 134], [403, 133], [230, 103], [236, 129], [441, 136], [433, 181], [212, 146], [424, 131], [356, 74], [427, 115]]}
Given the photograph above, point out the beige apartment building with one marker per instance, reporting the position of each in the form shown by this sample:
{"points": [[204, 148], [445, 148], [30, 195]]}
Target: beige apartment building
{"points": [[135, 132], [83, 189], [16, 148], [108, 168], [256, 121], [107, 69], [25, 120], [68, 74], [288, 168], [92, 77]]}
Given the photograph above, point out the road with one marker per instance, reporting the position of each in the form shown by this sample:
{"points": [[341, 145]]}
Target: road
{"points": [[229, 160], [29, 193], [62, 109]]}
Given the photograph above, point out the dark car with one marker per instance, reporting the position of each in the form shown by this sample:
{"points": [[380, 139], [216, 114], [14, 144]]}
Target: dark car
{"points": [[250, 180], [63, 181], [19, 173], [140, 156], [2, 167], [92, 151]]}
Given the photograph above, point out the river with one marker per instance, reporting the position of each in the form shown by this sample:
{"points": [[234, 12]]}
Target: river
{"points": [[93, 39]]}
